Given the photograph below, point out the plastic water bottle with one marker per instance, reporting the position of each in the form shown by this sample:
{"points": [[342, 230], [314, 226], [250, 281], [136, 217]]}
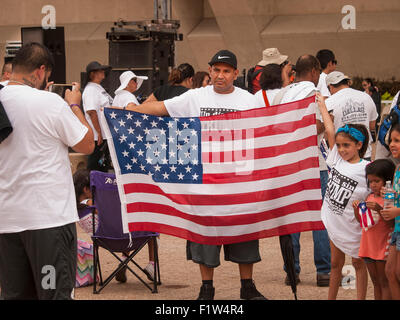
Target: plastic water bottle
{"points": [[389, 195]]}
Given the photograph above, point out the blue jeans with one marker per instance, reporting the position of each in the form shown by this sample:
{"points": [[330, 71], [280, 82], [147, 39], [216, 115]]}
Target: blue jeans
{"points": [[322, 250]]}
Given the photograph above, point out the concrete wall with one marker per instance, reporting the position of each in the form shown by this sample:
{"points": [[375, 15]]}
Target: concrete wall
{"points": [[243, 26]]}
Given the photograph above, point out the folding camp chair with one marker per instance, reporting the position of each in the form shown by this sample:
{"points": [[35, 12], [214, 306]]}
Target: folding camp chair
{"points": [[109, 234]]}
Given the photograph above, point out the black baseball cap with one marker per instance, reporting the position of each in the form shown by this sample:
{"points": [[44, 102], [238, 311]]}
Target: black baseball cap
{"points": [[224, 56], [94, 65]]}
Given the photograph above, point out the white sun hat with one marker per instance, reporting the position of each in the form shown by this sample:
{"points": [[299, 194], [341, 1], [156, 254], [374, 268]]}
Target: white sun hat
{"points": [[125, 77]]}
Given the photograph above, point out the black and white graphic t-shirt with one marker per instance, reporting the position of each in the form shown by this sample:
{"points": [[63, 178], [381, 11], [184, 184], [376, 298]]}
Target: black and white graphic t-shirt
{"points": [[347, 182], [205, 101], [352, 106]]}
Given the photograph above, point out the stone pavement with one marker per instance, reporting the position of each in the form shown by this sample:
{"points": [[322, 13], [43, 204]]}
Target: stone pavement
{"points": [[181, 278]]}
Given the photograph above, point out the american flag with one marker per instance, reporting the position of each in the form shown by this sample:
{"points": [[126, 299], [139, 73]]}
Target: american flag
{"points": [[220, 179]]}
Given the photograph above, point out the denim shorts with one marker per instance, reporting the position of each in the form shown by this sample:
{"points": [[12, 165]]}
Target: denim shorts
{"points": [[395, 240]]}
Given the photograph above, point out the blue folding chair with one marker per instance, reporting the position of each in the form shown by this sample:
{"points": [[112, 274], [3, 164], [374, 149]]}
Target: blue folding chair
{"points": [[109, 234]]}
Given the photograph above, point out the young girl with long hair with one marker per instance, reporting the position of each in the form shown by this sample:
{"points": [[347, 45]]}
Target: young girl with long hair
{"points": [[346, 183]]}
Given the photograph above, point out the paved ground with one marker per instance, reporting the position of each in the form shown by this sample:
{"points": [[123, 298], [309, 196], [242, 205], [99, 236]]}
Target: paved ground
{"points": [[181, 278]]}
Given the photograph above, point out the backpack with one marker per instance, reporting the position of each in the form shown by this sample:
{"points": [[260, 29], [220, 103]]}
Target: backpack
{"points": [[251, 75], [392, 118]]}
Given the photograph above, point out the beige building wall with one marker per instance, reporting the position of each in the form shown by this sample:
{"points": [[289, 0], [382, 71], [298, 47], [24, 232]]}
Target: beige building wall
{"points": [[244, 26]]}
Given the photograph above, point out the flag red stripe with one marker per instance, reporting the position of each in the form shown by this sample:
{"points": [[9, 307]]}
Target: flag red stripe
{"points": [[275, 172], [261, 112], [259, 153], [218, 240], [225, 199], [231, 220], [274, 129]]}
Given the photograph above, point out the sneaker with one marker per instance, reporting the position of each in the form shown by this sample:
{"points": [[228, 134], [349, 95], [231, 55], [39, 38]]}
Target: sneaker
{"points": [[249, 292], [121, 275], [287, 281], [207, 292], [323, 279], [149, 271]]}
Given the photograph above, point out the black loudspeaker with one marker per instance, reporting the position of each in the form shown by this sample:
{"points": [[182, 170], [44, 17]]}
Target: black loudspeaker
{"points": [[54, 40], [146, 53]]}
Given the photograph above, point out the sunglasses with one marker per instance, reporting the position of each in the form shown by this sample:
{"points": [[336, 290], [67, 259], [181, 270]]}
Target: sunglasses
{"points": [[334, 61]]}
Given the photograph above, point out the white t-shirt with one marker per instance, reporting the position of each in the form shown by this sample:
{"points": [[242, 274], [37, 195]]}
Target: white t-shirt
{"points": [[36, 186], [352, 106], [271, 93], [4, 83], [123, 98], [298, 91], [347, 182], [205, 101], [95, 97], [322, 87]]}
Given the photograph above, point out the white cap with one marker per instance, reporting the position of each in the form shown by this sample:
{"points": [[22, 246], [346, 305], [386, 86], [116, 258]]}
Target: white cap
{"points": [[335, 77], [125, 77]]}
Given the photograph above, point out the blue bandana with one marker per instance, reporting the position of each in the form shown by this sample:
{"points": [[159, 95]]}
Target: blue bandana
{"points": [[356, 134]]}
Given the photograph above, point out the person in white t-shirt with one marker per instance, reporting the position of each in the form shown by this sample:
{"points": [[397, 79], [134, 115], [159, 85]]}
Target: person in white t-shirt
{"points": [[307, 76], [271, 81], [350, 106], [38, 208], [130, 83], [328, 64], [94, 98], [220, 97], [347, 182]]}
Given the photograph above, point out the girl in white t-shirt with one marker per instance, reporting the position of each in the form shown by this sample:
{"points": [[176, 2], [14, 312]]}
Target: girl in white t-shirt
{"points": [[271, 83], [346, 183]]}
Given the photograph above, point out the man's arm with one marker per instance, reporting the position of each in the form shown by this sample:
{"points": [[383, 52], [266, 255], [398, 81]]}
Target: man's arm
{"points": [[155, 108], [86, 145]]}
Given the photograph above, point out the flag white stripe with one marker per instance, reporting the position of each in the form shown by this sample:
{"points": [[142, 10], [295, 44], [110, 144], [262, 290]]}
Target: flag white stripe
{"points": [[228, 188], [259, 142], [247, 166], [226, 210], [256, 122], [224, 231]]}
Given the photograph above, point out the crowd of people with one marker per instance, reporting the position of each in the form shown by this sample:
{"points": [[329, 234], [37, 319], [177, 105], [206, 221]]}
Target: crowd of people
{"points": [[40, 205]]}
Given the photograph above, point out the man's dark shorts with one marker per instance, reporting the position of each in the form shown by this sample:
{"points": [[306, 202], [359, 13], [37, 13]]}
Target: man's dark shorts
{"points": [[38, 264], [209, 255]]}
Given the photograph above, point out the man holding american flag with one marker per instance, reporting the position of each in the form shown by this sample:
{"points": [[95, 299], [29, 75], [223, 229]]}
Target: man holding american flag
{"points": [[219, 98], [217, 171]]}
